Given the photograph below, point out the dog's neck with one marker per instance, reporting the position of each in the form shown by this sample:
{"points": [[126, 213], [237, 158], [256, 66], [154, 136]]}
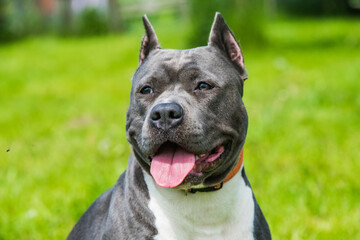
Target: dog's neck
{"points": [[204, 215]]}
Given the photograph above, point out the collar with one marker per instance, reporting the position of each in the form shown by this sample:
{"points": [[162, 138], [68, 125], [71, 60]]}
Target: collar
{"points": [[227, 178]]}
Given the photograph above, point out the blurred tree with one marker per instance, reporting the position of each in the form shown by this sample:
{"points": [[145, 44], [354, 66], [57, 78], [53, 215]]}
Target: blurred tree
{"points": [[65, 17], [92, 21], [314, 7], [114, 16], [201, 15], [244, 17], [26, 18], [5, 33]]}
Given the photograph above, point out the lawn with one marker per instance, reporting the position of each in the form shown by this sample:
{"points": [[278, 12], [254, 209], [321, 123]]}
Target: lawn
{"points": [[62, 127]]}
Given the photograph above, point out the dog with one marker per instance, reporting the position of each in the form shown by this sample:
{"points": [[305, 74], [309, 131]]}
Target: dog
{"points": [[187, 126]]}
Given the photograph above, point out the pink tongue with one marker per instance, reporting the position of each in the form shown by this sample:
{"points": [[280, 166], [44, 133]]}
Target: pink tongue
{"points": [[171, 165]]}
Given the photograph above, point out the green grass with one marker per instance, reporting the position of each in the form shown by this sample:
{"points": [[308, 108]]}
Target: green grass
{"points": [[62, 116]]}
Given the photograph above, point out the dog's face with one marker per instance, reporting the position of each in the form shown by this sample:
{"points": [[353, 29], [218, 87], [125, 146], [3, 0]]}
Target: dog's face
{"points": [[187, 122]]}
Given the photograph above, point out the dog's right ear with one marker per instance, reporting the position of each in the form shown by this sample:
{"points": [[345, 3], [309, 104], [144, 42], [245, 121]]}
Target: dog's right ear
{"points": [[149, 42]]}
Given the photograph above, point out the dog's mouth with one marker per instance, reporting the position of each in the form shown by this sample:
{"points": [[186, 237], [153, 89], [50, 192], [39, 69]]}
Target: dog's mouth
{"points": [[172, 164]]}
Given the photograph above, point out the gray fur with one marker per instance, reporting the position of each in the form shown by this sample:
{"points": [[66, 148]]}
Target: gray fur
{"points": [[261, 228], [211, 117], [121, 212]]}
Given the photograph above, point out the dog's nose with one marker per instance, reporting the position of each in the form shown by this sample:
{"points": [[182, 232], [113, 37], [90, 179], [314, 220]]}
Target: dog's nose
{"points": [[166, 115]]}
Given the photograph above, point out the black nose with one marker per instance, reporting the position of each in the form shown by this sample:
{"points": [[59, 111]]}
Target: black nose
{"points": [[166, 115]]}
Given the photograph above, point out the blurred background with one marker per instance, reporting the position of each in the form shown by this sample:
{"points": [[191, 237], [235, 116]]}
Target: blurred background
{"points": [[82, 18], [65, 70]]}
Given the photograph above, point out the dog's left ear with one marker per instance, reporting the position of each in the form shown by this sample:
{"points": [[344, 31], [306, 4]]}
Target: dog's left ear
{"points": [[222, 38], [149, 42]]}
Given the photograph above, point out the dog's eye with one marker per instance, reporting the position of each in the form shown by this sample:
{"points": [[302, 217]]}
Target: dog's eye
{"points": [[146, 90], [204, 86]]}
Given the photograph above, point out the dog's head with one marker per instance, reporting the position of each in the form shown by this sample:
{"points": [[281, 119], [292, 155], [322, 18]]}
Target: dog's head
{"points": [[186, 121]]}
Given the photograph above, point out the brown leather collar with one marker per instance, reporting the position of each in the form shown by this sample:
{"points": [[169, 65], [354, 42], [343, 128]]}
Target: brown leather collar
{"points": [[227, 178]]}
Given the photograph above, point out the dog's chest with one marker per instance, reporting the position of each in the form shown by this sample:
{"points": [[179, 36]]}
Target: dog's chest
{"points": [[224, 214]]}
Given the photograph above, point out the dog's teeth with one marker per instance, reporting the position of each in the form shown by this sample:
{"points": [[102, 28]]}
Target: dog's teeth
{"points": [[202, 155], [196, 157]]}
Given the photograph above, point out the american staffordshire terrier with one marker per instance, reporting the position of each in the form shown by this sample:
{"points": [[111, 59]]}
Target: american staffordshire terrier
{"points": [[187, 125]]}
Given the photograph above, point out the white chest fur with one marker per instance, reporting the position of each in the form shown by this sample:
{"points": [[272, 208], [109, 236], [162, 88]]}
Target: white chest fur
{"points": [[224, 214]]}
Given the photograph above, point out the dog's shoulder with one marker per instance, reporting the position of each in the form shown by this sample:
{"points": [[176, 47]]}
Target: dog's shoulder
{"points": [[91, 223], [261, 227], [120, 211]]}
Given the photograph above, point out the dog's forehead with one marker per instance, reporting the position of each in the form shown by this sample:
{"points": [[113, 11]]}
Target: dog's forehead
{"points": [[178, 59], [173, 61]]}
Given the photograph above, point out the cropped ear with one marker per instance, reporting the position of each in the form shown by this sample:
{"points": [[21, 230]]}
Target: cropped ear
{"points": [[222, 38], [149, 42]]}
